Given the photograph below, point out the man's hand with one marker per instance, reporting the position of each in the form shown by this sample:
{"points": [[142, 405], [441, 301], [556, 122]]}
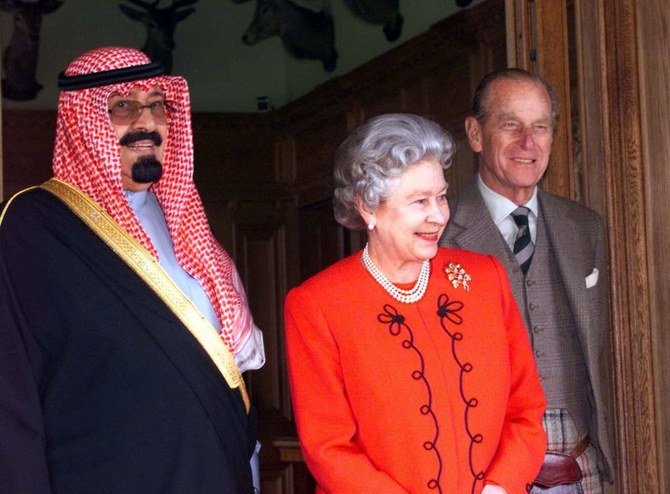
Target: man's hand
{"points": [[493, 489]]}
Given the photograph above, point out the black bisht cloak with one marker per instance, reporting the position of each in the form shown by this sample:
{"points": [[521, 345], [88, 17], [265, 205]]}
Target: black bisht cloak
{"points": [[102, 388]]}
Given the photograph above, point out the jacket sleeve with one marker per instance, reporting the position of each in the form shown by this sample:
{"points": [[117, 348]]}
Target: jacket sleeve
{"points": [[325, 422], [23, 466], [523, 441]]}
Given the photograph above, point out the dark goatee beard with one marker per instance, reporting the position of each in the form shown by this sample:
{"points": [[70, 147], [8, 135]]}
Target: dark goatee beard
{"points": [[147, 170]]}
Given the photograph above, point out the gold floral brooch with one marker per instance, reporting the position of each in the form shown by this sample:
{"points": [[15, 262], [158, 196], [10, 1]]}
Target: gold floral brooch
{"points": [[457, 276]]}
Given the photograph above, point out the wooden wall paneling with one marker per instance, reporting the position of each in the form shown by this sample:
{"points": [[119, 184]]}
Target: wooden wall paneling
{"points": [[578, 178], [261, 238], [415, 96], [236, 159], [435, 74], [552, 63], [276, 480], [322, 239], [628, 248], [653, 18], [28, 138], [260, 254], [449, 95], [243, 177], [624, 185], [221, 217], [614, 174], [390, 83], [432, 74], [316, 136], [388, 97], [234, 149], [292, 478], [541, 45], [490, 50], [469, 49], [592, 149], [286, 150], [289, 475], [519, 33], [286, 156]]}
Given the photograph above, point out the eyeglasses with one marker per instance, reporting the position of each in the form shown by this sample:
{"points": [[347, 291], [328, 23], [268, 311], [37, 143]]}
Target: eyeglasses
{"points": [[125, 112]]}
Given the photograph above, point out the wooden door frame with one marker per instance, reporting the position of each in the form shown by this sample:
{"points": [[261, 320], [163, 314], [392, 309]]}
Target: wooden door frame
{"points": [[610, 120], [537, 41]]}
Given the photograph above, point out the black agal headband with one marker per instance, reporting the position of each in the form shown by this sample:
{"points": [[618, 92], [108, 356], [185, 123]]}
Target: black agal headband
{"points": [[126, 74]]}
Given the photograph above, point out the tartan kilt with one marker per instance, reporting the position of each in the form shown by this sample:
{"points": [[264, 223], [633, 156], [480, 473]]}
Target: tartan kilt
{"points": [[562, 437]]}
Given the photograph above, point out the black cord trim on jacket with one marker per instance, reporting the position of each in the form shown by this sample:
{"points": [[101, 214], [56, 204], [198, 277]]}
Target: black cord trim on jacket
{"points": [[448, 312], [396, 326]]}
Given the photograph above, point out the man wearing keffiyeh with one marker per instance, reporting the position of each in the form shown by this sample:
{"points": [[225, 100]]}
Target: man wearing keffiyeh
{"points": [[123, 322]]}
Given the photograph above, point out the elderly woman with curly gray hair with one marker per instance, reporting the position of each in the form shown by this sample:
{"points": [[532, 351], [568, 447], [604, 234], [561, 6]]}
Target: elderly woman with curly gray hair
{"points": [[409, 365]]}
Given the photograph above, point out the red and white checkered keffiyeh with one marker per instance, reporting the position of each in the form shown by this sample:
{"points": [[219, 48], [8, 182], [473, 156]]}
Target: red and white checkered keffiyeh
{"points": [[87, 155]]}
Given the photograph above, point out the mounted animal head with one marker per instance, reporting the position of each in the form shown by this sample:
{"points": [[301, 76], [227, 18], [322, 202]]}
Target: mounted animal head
{"points": [[160, 25], [20, 57], [380, 12], [304, 32]]}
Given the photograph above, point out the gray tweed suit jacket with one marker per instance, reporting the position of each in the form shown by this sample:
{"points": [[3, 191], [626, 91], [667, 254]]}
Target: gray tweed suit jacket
{"points": [[578, 238]]}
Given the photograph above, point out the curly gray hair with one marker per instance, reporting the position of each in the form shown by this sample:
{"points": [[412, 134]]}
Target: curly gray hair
{"points": [[376, 153]]}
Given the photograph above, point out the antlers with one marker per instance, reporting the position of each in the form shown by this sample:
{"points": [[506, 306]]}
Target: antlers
{"points": [[160, 25]]}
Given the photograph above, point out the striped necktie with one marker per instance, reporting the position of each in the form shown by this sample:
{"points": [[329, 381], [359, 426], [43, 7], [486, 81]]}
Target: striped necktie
{"points": [[523, 245]]}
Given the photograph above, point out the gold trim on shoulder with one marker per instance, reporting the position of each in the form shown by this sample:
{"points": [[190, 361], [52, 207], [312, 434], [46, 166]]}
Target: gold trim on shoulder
{"points": [[150, 271], [9, 201]]}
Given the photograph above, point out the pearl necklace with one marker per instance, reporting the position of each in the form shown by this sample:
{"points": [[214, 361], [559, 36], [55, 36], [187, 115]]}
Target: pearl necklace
{"points": [[405, 296]]}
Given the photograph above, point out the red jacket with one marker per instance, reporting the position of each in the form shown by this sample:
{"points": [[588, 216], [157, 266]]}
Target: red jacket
{"points": [[437, 396]]}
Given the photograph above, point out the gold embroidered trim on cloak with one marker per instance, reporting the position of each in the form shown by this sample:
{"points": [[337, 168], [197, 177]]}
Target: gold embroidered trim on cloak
{"points": [[150, 271]]}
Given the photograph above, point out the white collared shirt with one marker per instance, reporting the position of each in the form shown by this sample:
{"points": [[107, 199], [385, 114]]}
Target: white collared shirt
{"points": [[501, 208]]}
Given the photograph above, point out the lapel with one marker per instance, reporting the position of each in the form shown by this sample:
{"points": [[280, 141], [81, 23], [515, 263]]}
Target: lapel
{"points": [[472, 227]]}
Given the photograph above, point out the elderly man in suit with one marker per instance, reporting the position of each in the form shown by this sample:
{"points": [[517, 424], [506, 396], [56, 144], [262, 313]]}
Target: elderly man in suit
{"points": [[554, 252]]}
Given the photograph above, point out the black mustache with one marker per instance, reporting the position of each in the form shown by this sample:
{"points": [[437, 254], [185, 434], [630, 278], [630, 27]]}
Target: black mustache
{"points": [[132, 137]]}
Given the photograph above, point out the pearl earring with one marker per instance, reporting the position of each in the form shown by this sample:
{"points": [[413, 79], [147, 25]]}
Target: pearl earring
{"points": [[371, 225]]}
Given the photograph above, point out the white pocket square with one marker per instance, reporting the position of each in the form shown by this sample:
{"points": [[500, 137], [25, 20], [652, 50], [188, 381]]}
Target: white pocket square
{"points": [[592, 279]]}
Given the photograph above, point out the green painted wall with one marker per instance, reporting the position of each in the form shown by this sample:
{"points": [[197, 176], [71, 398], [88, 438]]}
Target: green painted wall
{"points": [[224, 74]]}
